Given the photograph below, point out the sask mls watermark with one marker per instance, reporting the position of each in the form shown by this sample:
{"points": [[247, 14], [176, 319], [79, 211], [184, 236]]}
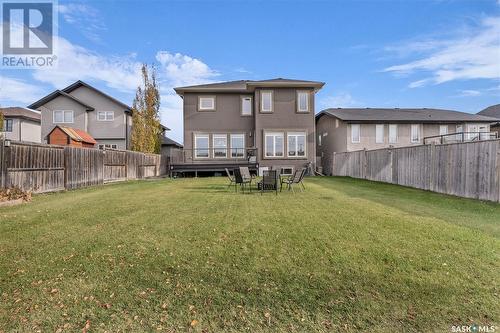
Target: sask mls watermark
{"points": [[28, 31]]}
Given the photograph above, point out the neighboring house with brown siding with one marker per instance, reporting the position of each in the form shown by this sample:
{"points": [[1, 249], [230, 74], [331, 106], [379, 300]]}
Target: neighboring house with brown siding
{"points": [[86, 108], [268, 122], [349, 129], [21, 124], [493, 111]]}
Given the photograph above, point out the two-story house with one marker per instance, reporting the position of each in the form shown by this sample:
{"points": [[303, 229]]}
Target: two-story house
{"points": [[83, 107], [268, 123], [20, 124], [350, 129]]}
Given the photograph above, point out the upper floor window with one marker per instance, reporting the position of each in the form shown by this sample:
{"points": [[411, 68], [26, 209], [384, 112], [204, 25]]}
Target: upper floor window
{"points": [[246, 106], [296, 144], [379, 133], [443, 129], [220, 145], [201, 145], [63, 116], [302, 101], [415, 133], [266, 101], [206, 103], [393, 133], [105, 115], [355, 133], [274, 144], [7, 125]]}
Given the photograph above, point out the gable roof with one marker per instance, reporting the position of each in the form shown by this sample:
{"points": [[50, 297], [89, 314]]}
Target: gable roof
{"points": [[18, 112], [165, 141], [402, 115], [66, 92], [491, 111], [75, 134], [249, 85]]}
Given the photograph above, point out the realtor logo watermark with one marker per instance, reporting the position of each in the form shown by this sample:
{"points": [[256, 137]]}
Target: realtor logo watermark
{"points": [[474, 328], [28, 30]]}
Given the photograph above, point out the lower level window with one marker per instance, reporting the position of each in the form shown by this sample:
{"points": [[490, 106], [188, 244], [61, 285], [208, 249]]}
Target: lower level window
{"points": [[102, 146], [7, 125], [201, 144], [237, 145], [296, 144], [220, 145], [286, 171], [274, 142]]}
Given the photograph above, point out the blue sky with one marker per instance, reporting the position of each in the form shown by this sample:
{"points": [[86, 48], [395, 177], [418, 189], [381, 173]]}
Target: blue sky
{"points": [[442, 54]]}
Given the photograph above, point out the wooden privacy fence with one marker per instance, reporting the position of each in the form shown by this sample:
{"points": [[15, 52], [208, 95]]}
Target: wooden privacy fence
{"points": [[470, 170], [44, 168]]}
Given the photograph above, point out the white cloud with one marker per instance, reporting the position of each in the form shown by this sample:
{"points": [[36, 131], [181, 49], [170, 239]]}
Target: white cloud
{"points": [[473, 55], [86, 18], [16, 91], [340, 100], [469, 93]]}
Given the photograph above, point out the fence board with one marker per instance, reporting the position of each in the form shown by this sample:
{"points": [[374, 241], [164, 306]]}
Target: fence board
{"points": [[470, 170]]}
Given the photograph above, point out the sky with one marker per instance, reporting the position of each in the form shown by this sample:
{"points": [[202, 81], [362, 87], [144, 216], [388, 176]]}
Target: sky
{"points": [[434, 54]]}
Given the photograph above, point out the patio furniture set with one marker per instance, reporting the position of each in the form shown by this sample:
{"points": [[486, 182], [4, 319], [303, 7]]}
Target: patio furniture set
{"points": [[271, 180]]}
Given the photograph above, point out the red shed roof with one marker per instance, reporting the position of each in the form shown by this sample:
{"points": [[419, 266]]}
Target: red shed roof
{"points": [[77, 134]]}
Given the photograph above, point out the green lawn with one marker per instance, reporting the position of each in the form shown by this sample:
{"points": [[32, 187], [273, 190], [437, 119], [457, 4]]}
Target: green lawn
{"points": [[188, 255]]}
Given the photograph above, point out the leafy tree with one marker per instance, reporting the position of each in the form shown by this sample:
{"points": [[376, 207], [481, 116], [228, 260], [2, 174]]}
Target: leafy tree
{"points": [[146, 127]]}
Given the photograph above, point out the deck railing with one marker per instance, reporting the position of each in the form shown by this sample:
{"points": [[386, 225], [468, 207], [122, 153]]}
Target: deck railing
{"points": [[213, 155], [460, 137]]}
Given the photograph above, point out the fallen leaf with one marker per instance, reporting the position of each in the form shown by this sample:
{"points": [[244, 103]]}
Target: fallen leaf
{"points": [[86, 327], [194, 323]]}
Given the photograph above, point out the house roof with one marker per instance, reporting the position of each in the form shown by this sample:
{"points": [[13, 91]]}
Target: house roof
{"points": [[249, 85], [165, 141], [66, 92], [491, 111], [402, 115], [76, 134], [19, 112]]}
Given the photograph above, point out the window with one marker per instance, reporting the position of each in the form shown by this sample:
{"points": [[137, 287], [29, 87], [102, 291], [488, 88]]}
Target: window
{"points": [[336, 123], [63, 116], [274, 144], [102, 146], [201, 145], [379, 133], [105, 115], [220, 145], [393, 133], [7, 125], [206, 103], [319, 140], [237, 145], [266, 101], [415, 133], [355, 133], [302, 101], [246, 106], [296, 144], [443, 129], [286, 171]]}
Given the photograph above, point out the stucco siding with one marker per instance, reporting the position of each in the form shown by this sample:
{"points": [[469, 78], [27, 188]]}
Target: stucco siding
{"points": [[30, 131]]}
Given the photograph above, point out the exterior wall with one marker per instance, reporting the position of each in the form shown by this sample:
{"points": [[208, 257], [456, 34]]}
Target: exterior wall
{"points": [[30, 131], [61, 103], [14, 135], [333, 137], [284, 118], [120, 144]]}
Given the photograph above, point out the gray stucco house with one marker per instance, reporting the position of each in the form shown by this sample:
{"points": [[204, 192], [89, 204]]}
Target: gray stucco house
{"points": [[21, 124], [267, 123], [84, 107], [494, 112]]}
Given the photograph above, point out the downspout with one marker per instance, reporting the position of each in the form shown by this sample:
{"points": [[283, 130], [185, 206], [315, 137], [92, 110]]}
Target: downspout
{"points": [[126, 130], [20, 132]]}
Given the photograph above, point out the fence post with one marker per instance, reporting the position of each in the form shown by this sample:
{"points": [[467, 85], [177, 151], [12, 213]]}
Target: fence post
{"points": [[333, 163], [365, 164], [431, 165], [2, 173], [497, 180]]}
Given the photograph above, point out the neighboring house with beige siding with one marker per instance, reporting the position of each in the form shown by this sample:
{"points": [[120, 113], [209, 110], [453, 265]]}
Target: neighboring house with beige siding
{"points": [[84, 107], [21, 124], [494, 112], [349, 129], [268, 123]]}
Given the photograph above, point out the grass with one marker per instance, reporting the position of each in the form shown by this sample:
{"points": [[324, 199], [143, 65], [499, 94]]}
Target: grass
{"points": [[188, 255]]}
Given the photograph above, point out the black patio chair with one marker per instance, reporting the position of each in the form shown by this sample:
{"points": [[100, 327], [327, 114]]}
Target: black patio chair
{"points": [[239, 180], [269, 181], [296, 178], [230, 178]]}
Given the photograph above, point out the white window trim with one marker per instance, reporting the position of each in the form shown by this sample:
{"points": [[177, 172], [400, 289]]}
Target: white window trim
{"points": [[377, 127], [63, 122], [196, 148], [287, 167], [307, 93], [242, 135], [243, 98], [417, 126], [106, 113], [211, 108], [274, 134], [296, 135], [389, 133], [219, 136], [262, 93], [358, 140]]}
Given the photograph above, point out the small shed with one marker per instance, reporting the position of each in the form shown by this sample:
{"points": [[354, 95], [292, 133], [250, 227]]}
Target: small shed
{"points": [[68, 136]]}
